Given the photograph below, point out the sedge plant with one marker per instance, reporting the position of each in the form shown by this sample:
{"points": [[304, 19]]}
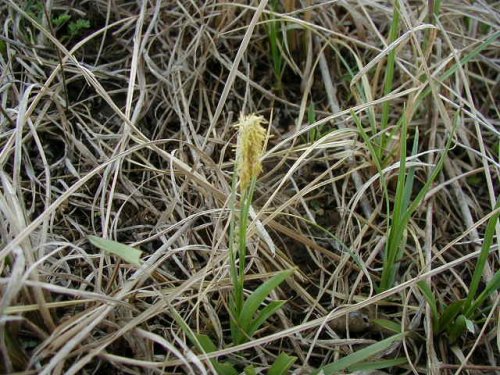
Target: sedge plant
{"points": [[246, 315]]}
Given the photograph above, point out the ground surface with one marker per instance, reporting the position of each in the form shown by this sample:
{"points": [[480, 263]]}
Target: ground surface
{"points": [[381, 171]]}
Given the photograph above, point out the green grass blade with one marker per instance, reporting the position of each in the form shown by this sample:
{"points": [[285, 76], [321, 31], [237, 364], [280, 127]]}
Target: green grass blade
{"points": [[224, 368], [483, 257], [127, 253], [206, 345], [237, 333], [490, 288], [368, 142], [245, 209], [311, 113], [275, 41], [238, 291], [282, 364], [456, 328], [377, 365], [186, 329], [359, 356], [389, 72], [388, 325], [395, 243], [254, 301], [242, 244], [410, 178], [465, 60], [263, 315], [449, 314], [375, 156], [404, 190], [400, 217], [437, 7], [435, 172], [431, 300]]}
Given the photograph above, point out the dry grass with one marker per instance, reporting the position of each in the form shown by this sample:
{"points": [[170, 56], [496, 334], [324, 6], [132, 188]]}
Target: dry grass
{"points": [[125, 130]]}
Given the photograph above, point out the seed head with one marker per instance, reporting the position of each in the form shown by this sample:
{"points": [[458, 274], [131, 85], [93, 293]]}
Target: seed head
{"points": [[250, 148]]}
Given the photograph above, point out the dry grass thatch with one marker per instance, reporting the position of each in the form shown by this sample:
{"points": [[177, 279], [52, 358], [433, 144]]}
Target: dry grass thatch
{"points": [[118, 122]]}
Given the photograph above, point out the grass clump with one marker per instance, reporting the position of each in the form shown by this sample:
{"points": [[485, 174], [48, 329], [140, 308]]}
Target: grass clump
{"points": [[458, 316]]}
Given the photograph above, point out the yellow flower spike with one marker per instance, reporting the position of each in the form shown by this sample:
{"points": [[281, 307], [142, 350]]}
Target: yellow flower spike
{"points": [[250, 148]]}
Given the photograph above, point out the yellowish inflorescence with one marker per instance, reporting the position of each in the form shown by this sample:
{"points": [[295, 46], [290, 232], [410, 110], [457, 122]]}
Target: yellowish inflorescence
{"points": [[250, 147]]}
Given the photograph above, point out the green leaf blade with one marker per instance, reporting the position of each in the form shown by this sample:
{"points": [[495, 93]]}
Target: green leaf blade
{"points": [[282, 364], [377, 365], [388, 325], [449, 314], [125, 252], [259, 295], [264, 314], [483, 257], [206, 344], [491, 287], [431, 300], [457, 328], [359, 356]]}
